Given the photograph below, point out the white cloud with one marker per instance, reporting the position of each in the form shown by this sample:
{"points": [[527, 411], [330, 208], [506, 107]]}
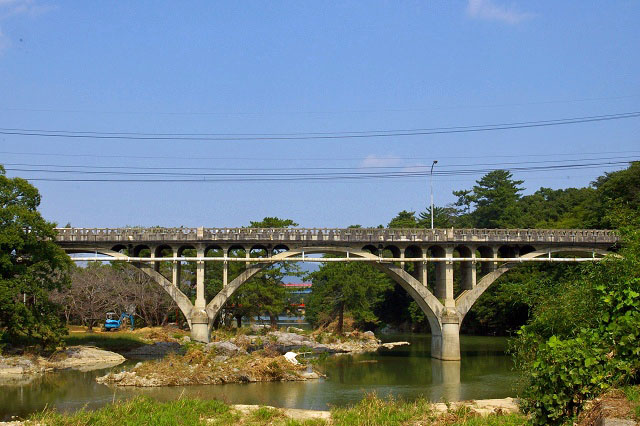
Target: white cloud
{"points": [[379, 161], [22, 7], [14, 8], [490, 11]]}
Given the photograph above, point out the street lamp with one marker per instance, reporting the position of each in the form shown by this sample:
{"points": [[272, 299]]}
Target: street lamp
{"points": [[431, 185]]}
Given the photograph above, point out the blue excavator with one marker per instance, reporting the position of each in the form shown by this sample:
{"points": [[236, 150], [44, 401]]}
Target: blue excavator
{"points": [[111, 323]]}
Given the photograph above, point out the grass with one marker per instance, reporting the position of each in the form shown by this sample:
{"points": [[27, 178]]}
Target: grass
{"points": [[633, 395], [145, 411], [371, 411], [120, 341]]}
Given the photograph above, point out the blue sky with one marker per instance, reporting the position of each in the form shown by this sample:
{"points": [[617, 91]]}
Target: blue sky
{"points": [[279, 67]]}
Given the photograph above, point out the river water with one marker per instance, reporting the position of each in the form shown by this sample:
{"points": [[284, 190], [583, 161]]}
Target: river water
{"points": [[407, 372]]}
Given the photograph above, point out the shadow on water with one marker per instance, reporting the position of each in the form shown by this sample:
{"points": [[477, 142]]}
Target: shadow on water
{"points": [[406, 372]]}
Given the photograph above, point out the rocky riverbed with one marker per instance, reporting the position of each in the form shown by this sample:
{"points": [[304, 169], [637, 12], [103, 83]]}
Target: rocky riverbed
{"points": [[264, 356]]}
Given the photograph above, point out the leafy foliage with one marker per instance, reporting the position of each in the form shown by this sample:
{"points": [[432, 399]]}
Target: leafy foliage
{"points": [[340, 287], [591, 352], [31, 265]]}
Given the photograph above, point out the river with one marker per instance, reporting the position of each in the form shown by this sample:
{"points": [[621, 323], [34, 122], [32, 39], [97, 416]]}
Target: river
{"points": [[407, 372]]}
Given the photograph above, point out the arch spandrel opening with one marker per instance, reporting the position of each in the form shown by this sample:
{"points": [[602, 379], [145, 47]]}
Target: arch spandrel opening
{"points": [[416, 269], [484, 267], [418, 292]]}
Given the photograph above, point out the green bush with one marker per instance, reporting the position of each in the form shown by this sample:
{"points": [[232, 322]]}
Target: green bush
{"points": [[562, 372]]}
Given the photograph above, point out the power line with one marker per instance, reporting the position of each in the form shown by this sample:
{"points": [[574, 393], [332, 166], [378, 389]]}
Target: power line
{"points": [[251, 177], [165, 169], [314, 136], [315, 159]]}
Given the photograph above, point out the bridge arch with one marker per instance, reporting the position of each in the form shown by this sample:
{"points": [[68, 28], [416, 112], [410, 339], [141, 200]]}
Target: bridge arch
{"points": [[467, 299], [425, 299]]}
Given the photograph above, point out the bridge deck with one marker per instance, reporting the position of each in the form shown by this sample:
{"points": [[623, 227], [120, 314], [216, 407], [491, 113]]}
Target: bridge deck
{"points": [[318, 236]]}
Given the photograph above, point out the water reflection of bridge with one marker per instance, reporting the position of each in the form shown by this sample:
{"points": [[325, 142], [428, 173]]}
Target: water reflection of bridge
{"points": [[444, 270]]}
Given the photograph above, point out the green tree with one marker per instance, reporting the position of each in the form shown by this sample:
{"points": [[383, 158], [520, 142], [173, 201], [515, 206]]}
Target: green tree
{"points": [[341, 287], [617, 196], [31, 265], [495, 198], [404, 219], [264, 293], [443, 217]]}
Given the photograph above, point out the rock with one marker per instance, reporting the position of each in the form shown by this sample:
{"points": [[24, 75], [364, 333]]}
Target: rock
{"points": [[87, 358], [220, 358], [224, 348], [286, 342], [258, 328], [185, 339], [392, 345], [369, 335], [291, 357], [293, 413], [294, 330]]}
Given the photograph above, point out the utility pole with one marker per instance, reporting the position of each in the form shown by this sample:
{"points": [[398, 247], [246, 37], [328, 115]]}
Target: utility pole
{"points": [[431, 185]]}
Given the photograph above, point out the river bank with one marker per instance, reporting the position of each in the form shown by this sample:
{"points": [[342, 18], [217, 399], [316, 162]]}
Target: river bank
{"points": [[370, 410]]}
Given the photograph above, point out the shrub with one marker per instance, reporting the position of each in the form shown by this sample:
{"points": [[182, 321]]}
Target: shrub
{"points": [[562, 372]]}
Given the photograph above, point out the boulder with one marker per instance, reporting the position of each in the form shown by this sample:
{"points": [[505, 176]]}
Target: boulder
{"points": [[287, 342], [224, 348], [259, 328], [87, 358], [369, 335]]}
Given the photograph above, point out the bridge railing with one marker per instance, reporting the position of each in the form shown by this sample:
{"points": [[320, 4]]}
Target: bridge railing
{"points": [[361, 235]]}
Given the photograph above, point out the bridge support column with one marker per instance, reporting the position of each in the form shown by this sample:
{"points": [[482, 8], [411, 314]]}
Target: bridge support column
{"points": [[176, 271], [468, 269], [200, 300], [422, 271], [199, 317], [444, 280], [199, 326], [225, 268], [156, 265], [446, 345]]}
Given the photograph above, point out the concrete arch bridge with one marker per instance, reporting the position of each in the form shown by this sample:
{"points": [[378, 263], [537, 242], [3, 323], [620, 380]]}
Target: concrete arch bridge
{"points": [[476, 256]]}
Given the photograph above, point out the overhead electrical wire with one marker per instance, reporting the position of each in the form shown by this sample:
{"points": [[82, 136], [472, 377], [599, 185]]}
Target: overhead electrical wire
{"points": [[314, 159], [250, 177], [75, 167], [313, 136]]}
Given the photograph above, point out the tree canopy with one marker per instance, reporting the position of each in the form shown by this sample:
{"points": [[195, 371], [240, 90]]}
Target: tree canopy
{"points": [[338, 288], [31, 265]]}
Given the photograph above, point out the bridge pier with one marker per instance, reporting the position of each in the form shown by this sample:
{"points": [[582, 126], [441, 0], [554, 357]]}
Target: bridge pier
{"points": [[446, 345], [199, 326]]}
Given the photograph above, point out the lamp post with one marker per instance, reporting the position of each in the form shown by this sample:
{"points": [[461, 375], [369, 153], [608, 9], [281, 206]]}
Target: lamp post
{"points": [[431, 185]]}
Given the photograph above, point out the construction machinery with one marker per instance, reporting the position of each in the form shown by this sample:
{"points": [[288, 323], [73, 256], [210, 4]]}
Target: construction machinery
{"points": [[114, 323]]}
